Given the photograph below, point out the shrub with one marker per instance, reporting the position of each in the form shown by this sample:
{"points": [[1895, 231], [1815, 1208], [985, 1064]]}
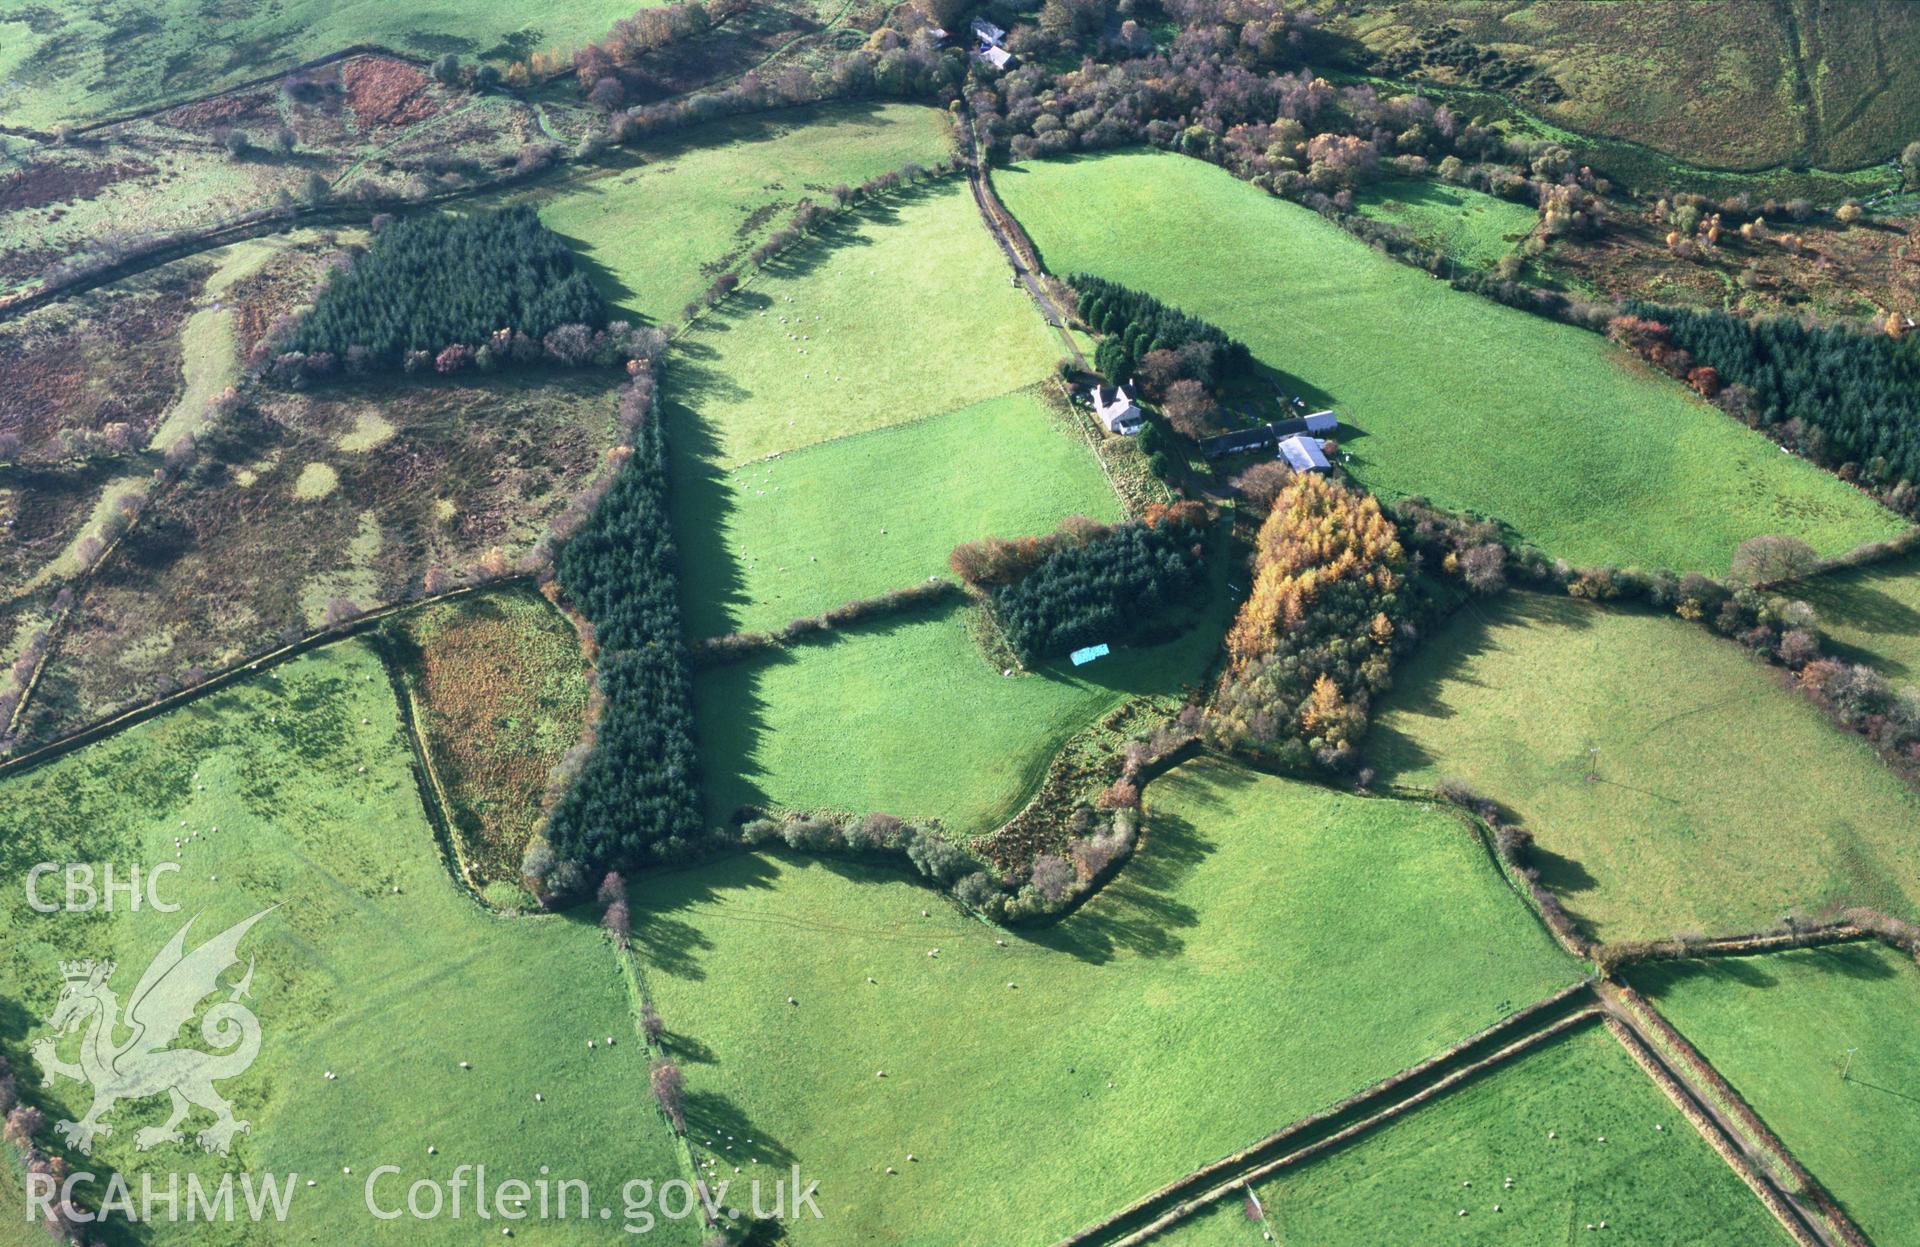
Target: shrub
{"points": [[938, 858]]}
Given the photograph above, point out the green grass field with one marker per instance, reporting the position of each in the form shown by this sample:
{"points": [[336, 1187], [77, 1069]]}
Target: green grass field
{"points": [[1475, 405], [1183, 1013], [794, 535], [77, 62], [1778, 1028], [373, 966], [655, 235], [897, 311], [1872, 615], [1471, 226], [906, 716], [1407, 1181], [1671, 781]]}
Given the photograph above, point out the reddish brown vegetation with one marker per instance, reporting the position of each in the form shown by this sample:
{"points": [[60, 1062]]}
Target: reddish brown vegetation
{"points": [[221, 110], [383, 92], [57, 182]]}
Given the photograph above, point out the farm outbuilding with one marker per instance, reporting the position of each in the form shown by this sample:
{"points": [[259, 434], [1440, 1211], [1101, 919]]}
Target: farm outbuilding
{"points": [[1303, 453], [1261, 436]]}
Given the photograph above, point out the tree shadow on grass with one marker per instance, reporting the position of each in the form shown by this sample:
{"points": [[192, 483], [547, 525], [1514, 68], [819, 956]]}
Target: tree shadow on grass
{"points": [[664, 940], [718, 1127], [1140, 912], [686, 1049]]}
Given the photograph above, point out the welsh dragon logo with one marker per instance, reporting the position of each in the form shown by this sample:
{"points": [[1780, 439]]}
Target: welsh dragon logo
{"points": [[145, 1063]]}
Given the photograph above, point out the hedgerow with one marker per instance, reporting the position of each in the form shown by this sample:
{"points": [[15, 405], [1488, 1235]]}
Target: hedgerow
{"points": [[433, 282]]}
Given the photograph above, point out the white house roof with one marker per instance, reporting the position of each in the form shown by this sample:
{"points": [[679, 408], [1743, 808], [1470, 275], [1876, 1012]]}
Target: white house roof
{"points": [[1303, 454], [997, 57]]}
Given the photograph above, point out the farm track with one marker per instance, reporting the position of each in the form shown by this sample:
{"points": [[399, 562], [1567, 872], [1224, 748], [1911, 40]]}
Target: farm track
{"points": [[1808, 1226], [1312, 1136], [1006, 231]]}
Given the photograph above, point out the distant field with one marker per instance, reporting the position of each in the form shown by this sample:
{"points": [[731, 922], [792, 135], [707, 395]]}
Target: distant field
{"points": [[1471, 226], [654, 236], [1872, 615], [1475, 405], [1778, 1028], [907, 717], [501, 688], [797, 534], [1654, 1181], [75, 62], [1717, 800], [1183, 1013], [896, 312], [1725, 83], [295, 790]]}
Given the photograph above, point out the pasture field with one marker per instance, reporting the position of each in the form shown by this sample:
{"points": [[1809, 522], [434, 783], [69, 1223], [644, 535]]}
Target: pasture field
{"points": [[1670, 780], [1725, 83], [1474, 405], [1872, 615], [1181, 1014], [1778, 1028], [500, 689], [373, 965], [350, 495], [916, 720], [898, 310], [76, 62], [799, 533], [1654, 1181], [655, 235], [1471, 226]]}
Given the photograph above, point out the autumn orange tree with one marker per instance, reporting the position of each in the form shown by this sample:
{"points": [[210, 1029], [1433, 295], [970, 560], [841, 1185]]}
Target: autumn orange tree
{"points": [[1318, 633]]}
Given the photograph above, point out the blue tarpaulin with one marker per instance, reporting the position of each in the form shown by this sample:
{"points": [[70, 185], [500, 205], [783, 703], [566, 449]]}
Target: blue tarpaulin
{"points": [[1087, 655]]}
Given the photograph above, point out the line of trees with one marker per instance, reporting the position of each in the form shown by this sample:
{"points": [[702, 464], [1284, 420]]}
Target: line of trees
{"points": [[435, 283], [637, 795], [1107, 588], [1134, 326], [1849, 401]]}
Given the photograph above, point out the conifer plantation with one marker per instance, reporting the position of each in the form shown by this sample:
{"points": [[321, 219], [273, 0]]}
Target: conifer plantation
{"points": [[1103, 590], [1855, 397], [637, 797], [435, 281]]}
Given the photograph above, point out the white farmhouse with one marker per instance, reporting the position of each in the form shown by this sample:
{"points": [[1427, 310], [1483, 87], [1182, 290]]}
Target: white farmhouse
{"points": [[1115, 408]]}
